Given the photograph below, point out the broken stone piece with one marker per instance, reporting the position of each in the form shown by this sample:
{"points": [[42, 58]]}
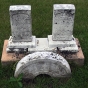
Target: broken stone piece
{"points": [[38, 63]]}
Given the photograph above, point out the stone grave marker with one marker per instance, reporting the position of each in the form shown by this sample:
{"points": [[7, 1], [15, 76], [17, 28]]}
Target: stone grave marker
{"points": [[62, 28], [21, 28], [21, 25], [63, 22], [42, 55]]}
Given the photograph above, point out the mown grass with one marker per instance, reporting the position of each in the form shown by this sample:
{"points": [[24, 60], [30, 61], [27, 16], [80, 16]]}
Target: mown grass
{"points": [[41, 27]]}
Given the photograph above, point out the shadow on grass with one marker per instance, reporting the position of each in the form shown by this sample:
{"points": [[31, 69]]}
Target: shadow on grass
{"points": [[44, 81]]}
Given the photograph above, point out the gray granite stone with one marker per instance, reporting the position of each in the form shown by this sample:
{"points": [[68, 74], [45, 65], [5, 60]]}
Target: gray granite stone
{"points": [[63, 21], [38, 63], [21, 25]]}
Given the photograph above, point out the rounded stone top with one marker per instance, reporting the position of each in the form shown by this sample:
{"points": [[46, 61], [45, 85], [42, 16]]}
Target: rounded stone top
{"points": [[20, 7], [38, 63], [63, 6]]}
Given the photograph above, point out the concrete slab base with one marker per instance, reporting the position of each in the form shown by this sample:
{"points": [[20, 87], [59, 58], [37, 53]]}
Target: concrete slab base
{"points": [[77, 58]]}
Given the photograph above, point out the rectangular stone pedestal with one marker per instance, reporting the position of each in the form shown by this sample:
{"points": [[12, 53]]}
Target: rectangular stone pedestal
{"points": [[77, 58]]}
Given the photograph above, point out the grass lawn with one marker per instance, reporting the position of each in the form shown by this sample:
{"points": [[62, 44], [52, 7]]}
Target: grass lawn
{"points": [[42, 26]]}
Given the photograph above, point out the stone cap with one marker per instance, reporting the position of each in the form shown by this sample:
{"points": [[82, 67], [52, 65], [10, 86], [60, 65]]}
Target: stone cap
{"points": [[63, 6], [19, 7]]}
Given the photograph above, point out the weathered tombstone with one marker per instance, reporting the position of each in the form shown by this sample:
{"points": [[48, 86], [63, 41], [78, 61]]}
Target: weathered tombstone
{"points": [[62, 33], [21, 25], [63, 21], [38, 63], [21, 28], [62, 28]]}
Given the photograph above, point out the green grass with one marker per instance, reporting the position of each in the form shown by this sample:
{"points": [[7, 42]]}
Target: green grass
{"points": [[42, 26]]}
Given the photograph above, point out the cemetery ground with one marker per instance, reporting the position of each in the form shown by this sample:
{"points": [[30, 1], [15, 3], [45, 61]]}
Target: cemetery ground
{"points": [[42, 12]]}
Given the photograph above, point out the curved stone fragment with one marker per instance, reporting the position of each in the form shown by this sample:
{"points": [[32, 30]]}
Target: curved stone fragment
{"points": [[38, 63]]}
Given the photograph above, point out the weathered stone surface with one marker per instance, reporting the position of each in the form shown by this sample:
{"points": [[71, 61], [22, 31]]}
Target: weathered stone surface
{"points": [[21, 25], [43, 63], [63, 21]]}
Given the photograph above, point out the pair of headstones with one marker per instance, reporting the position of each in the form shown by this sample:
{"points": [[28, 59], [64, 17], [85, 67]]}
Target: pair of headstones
{"points": [[62, 28]]}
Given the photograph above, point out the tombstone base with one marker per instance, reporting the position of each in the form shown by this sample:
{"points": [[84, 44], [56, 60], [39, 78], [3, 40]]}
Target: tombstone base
{"points": [[8, 58], [63, 45], [12, 46]]}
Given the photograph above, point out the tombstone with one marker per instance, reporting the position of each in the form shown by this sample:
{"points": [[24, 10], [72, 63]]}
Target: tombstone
{"points": [[62, 28], [21, 25], [62, 33], [63, 21], [21, 28], [38, 63]]}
